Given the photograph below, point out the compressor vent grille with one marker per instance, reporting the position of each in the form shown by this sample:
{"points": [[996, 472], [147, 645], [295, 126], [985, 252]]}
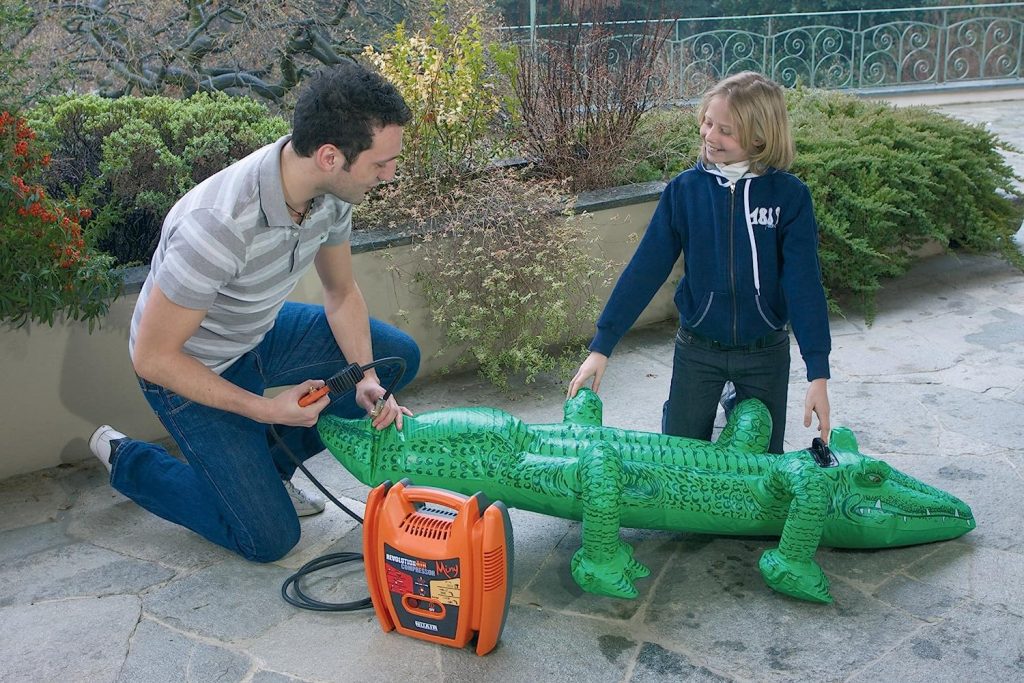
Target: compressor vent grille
{"points": [[494, 569], [427, 526]]}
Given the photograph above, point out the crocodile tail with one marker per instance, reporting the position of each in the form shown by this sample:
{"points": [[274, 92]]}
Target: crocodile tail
{"points": [[584, 409], [749, 427]]}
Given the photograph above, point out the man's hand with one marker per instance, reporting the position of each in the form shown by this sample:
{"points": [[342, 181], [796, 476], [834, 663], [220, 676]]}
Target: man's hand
{"points": [[817, 402], [594, 366], [349, 320], [284, 409], [368, 392]]}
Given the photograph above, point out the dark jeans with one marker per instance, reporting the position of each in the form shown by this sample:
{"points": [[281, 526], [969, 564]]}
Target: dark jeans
{"points": [[700, 369], [230, 489]]}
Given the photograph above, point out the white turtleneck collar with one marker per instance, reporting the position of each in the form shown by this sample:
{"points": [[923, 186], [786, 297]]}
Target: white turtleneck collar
{"points": [[734, 172]]}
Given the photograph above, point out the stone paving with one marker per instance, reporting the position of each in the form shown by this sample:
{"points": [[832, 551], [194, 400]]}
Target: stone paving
{"points": [[92, 588]]}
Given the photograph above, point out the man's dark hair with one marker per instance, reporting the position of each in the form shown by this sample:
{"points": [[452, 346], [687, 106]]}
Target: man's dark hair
{"points": [[341, 106]]}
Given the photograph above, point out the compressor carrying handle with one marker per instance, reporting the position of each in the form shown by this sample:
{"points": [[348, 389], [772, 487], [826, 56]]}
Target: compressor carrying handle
{"points": [[429, 494]]}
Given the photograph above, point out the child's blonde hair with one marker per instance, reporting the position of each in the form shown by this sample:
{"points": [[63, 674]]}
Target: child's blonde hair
{"points": [[758, 108]]}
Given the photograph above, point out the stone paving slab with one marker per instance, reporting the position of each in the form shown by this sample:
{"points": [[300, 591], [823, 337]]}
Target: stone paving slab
{"points": [[988, 577], [229, 601], [66, 640], [31, 499], [732, 624], [918, 599], [105, 518], [975, 643], [655, 663], [28, 540], [265, 676], [158, 653], [76, 570]]}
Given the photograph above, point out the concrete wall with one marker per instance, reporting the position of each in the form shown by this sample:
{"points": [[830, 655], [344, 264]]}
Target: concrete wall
{"points": [[60, 383]]}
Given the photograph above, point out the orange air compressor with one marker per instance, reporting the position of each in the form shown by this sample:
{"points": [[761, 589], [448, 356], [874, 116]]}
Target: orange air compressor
{"points": [[438, 563]]}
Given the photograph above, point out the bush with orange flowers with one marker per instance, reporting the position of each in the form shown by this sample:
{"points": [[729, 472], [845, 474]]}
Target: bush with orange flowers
{"points": [[48, 269]]}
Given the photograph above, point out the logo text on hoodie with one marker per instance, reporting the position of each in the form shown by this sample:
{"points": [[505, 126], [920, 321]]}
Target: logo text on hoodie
{"points": [[766, 216]]}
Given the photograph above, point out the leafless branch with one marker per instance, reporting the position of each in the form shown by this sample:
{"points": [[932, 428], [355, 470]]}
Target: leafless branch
{"points": [[582, 94], [262, 47]]}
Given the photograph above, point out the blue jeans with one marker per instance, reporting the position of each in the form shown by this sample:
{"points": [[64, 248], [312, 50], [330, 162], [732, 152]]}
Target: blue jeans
{"points": [[700, 369], [229, 490]]}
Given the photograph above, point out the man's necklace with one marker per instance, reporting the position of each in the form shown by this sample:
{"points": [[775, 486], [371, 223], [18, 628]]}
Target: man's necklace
{"points": [[299, 216]]}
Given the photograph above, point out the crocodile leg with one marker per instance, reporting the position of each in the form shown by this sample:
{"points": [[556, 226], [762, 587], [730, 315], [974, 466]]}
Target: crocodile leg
{"points": [[791, 568], [604, 564]]}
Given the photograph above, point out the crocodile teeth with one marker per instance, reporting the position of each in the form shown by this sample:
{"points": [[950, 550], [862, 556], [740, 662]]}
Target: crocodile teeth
{"points": [[878, 504]]}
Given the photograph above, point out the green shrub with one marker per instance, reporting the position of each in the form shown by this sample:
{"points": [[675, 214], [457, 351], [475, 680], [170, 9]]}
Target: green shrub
{"points": [[664, 144], [885, 181], [580, 96], [133, 157]]}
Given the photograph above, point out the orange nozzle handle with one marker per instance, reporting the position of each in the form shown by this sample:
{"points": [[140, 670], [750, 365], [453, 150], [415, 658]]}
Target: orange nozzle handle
{"points": [[313, 396]]}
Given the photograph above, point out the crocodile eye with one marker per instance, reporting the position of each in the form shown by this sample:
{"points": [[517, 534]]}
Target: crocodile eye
{"points": [[870, 479], [874, 473]]}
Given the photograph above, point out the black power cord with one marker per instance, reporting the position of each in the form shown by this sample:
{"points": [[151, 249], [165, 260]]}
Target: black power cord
{"points": [[291, 590]]}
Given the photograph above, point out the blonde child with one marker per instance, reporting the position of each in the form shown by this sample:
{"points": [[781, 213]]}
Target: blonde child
{"points": [[746, 230]]}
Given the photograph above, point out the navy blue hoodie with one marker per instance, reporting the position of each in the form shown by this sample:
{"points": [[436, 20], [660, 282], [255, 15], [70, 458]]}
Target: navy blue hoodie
{"points": [[727, 294]]}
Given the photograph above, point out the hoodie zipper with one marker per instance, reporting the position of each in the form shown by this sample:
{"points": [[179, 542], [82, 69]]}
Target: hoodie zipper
{"points": [[732, 259]]}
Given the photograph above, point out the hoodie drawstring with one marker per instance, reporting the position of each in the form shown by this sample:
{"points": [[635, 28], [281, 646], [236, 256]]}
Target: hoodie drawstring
{"points": [[750, 234]]}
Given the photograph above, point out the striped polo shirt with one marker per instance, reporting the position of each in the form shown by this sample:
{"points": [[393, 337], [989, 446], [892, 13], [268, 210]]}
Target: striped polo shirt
{"points": [[230, 247]]}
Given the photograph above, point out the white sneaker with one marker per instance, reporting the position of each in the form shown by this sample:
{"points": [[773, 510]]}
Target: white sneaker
{"points": [[100, 443], [305, 503]]}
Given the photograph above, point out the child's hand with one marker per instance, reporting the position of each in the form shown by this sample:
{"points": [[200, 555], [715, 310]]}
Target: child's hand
{"points": [[594, 366], [817, 402]]}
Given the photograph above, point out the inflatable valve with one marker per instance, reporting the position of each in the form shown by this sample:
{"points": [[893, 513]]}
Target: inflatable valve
{"points": [[822, 454]]}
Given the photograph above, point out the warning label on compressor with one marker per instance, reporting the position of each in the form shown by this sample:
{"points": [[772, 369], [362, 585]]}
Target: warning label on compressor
{"points": [[438, 580]]}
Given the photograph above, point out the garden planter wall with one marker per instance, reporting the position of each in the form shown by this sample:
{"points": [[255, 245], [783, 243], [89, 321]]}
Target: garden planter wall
{"points": [[62, 382]]}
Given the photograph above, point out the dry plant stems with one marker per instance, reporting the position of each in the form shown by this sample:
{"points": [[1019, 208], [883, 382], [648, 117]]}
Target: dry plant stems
{"points": [[512, 276], [20, 85], [582, 92]]}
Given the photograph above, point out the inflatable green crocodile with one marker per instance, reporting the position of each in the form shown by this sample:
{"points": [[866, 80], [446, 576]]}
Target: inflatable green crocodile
{"points": [[608, 477]]}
